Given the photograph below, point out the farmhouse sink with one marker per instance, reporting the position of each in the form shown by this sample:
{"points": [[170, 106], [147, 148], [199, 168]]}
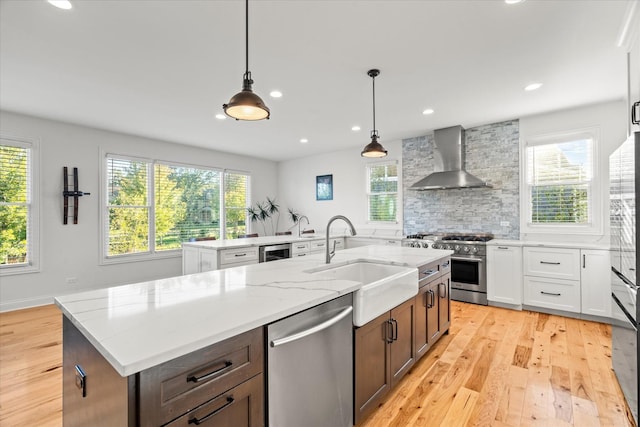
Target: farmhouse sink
{"points": [[384, 286]]}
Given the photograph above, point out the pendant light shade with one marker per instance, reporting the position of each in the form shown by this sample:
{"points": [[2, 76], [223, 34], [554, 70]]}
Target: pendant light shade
{"points": [[246, 105], [374, 149]]}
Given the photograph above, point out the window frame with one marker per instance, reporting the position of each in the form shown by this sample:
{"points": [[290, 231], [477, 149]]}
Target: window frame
{"points": [[152, 253], [595, 221], [33, 211], [368, 193]]}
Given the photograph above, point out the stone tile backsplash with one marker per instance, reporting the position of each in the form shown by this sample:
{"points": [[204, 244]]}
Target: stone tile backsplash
{"points": [[492, 154]]}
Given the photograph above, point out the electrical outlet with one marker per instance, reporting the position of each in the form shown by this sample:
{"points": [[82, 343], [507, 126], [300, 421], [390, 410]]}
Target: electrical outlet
{"points": [[504, 224], [72, 280]]}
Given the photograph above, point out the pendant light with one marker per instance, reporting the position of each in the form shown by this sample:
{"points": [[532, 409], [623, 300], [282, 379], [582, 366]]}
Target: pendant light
{"points": [[374, 148], [246, 105]]}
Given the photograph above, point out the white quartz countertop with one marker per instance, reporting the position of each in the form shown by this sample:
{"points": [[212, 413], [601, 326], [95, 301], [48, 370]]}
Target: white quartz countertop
{"points": [[138, 326], [256, 241], [575, 245]]}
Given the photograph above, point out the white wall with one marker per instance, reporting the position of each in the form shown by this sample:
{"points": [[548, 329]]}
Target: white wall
{"points": [[611, 120], [72, 251], [297, 181]]}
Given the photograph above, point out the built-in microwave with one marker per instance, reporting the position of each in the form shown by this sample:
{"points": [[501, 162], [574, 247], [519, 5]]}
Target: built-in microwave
{"points": [[274, 252]]}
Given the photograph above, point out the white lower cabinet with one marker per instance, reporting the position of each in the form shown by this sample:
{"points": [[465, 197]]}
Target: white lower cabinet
{"points": [[318, 246], [355, 242], [557, 294], [198, 260], [596, 282], [567, 279], [504, 274]]}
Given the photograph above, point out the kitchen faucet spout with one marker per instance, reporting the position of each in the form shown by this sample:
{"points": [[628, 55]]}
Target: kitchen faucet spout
{"points": [[299, 221], [331, 252]]}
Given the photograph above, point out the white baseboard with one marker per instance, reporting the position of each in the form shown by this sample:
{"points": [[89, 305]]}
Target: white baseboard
{"points": [[24, 303]]}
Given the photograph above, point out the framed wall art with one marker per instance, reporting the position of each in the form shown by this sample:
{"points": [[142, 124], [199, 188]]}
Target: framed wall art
{"points": [[324, 187]]}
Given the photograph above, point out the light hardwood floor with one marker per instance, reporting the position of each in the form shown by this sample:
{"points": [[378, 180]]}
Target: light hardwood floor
{"points": [[496, 368]]}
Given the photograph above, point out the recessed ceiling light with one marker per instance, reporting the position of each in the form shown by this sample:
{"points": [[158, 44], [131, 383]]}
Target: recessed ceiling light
{"points": [[513, 1], [533, 86], [220, 116], [304, 140], [61, 4], [276, 94], [427, 111], [355, 128]]}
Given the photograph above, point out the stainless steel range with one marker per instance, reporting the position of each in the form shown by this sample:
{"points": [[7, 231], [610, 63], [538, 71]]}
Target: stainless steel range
{"points": [[468, 263]]}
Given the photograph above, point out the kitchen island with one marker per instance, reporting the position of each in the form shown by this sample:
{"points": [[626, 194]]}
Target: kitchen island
{"points": [[138, 327]]}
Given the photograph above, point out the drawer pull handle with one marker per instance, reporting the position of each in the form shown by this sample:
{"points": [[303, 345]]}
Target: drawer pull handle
{"points": [[446, 264], [241, 254], [194, 379], [550, 263], [302, 254], [198, 421], [550, 293], [504, 248], [429, 273]]}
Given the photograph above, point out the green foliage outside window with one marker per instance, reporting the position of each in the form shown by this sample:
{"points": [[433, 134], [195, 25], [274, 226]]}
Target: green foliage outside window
{"points": [[383, 192], [13, 204], [186, 205]]}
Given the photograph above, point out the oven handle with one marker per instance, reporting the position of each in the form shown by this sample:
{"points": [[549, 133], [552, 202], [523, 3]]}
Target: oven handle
{"points": [[471, 259]]}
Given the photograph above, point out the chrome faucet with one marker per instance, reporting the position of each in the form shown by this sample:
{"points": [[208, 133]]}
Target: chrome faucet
{"points": [[332, 252], [299, 221]]}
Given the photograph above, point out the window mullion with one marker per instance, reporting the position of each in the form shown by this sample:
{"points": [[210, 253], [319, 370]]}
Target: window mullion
{"points": [[151, 202]]}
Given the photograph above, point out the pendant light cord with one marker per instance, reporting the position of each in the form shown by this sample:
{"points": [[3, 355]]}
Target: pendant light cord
{"points": [[374, 103], [246, 33]]}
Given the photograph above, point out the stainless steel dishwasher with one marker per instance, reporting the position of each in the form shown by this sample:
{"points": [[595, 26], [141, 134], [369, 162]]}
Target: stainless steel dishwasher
{"points": [[310, 367]]}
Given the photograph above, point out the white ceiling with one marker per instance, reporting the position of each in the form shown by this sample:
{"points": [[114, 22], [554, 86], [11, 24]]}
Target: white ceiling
{"points": [[163, 69]]}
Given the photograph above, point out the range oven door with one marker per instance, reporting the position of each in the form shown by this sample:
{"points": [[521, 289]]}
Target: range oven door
{"points": [[468, 273], [624, 339]]}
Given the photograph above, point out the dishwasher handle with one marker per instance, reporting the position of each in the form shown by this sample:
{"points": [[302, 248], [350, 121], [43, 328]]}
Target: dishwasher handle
{"points": [[319, 327]]}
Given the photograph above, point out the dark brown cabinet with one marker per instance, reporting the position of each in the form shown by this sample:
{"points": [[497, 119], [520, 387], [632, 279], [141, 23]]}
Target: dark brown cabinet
{"points": [[432, 305], [222, 384], [384, 351], [444, 303]]}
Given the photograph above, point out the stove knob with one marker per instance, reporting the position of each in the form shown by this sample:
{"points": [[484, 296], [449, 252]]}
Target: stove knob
{"points": [[474, 250], [466, 249], [456, 248], [425, 245], [413, 244], [448, 247]]}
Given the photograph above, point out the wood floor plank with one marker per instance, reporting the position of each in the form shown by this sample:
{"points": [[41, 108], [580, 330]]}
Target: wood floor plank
{"points": [[461, 407], [495, 368]]}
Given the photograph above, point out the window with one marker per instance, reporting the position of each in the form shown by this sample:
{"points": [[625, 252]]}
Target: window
{"points": [[153, 206], [236, 200], [18, 208], [560, 181], [187, 204], [382, 192]]}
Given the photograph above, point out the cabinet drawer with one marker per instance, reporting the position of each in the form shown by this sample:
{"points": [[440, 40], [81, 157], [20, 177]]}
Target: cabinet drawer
{"points": [[242, 406], [318, 245], [552, 262], [169, 390], [552, 293], [299, 247], [445, 266], [428, 272], [233, 256]]}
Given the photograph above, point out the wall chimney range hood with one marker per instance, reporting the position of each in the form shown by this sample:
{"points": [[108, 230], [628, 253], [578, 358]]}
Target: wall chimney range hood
{"points": [[449, 156]]}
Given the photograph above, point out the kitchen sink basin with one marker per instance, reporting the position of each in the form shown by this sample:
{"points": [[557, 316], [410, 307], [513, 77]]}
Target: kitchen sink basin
{"points": [[384, 286]]}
